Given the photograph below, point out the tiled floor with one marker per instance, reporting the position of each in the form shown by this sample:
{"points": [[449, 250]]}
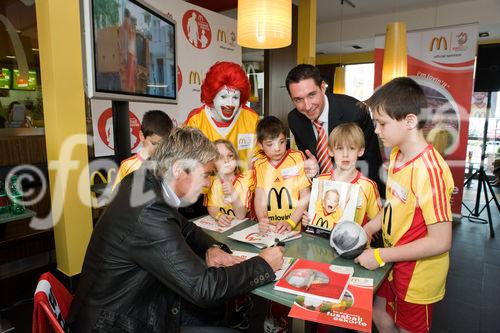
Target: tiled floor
{"points": [[472, 299], [472, 302]]}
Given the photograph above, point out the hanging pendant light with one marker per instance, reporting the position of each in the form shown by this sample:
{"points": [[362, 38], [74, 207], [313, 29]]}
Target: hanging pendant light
{"points": [[264, 24], [395, 64], [339, 76], [339, 80]]}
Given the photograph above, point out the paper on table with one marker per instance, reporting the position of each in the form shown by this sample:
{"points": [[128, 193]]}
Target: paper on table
{"points": [[252, 236], [209, 223], [287, 261]]}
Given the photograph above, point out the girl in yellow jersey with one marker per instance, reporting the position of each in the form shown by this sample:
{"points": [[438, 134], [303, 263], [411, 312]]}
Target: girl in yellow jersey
{"points": [[229, 195]]}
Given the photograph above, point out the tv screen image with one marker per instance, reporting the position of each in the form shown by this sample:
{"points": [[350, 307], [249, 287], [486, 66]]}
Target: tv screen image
{"points": [[4, 78], [23, 84], [130, 52]]}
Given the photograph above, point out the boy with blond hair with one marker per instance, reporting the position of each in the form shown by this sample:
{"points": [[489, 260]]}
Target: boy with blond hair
{"points": [[416, 220], [345, 144], [282, 188]]}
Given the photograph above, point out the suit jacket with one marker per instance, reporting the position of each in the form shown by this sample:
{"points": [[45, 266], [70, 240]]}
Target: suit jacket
{"points": [[144, 261], [341, 109]]}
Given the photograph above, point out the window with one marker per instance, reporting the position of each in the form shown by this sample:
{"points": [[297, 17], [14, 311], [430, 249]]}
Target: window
{"points": [[359, 80]]}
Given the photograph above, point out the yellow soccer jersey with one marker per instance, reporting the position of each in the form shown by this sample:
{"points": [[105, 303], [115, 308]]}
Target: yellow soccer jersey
{"points": [[282, 184], [418, 194], [325, 220], [128, 166], [243, 184], [241, 134], [368, 204]]}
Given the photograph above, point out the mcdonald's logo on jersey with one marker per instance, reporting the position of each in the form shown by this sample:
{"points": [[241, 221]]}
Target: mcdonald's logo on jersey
{"points": [[194, 78], [227, 212], [279, 198], [221, 36], [438, 42]]}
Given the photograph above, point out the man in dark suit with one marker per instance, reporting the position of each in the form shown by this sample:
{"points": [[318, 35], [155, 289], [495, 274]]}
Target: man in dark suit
{"points": [[314, 107]]}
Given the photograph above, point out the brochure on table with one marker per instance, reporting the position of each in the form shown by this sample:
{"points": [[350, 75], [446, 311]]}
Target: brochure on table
{"points": [[287, 261], [311, 278], [354, 310], [252, 236], [209, 223]]}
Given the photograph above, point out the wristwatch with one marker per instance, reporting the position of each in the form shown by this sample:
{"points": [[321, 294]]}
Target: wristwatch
{"points": [[223, 247]]}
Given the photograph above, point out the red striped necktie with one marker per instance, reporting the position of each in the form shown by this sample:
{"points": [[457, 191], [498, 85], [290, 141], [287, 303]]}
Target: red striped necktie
{"points": [[324, 160]]}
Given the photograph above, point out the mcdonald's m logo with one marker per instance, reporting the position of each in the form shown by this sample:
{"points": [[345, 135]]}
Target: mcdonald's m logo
{"points": [[278, 198], [227, 212], [322, 223], [437, 41], [221, 36], [194, 78]]}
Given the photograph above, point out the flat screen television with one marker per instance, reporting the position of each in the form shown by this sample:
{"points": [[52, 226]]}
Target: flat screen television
{"points": [[5, 78], [23, 84], [130, 52]]}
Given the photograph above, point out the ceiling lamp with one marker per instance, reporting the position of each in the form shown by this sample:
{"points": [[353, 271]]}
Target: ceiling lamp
{"points": [[339, 76], [395, 64], [339, 80], [264, 24]]}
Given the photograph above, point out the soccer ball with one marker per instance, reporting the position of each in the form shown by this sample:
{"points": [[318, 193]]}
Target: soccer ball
{"points": [[348, 239]]}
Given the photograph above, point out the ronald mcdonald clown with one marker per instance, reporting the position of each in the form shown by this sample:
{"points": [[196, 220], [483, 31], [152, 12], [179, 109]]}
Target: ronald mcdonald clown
{"points": [[224, 92]]}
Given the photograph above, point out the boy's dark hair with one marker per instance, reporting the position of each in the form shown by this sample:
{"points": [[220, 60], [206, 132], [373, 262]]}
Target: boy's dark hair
{"points": [[398, 98], [303, 72], [156, 122], [270, 127]]}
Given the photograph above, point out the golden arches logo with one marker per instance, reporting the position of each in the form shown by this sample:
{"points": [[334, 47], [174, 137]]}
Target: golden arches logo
{"points": [[437, 41], [194, 78], [221, 36], [227, 212], [278, 198]]}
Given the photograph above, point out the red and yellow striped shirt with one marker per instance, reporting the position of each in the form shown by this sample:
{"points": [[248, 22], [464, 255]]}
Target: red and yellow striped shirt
{"points": [[418, 194]]}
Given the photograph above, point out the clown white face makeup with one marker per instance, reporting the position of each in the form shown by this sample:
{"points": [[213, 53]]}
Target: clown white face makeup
{"points": [[226, 104]]}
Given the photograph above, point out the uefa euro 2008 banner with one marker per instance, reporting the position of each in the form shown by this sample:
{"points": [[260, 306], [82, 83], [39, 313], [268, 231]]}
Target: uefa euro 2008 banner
{"points": [[441, 60]]}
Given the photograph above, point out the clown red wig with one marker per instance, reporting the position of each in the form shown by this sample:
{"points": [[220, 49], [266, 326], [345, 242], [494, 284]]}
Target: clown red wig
{"points": [[223, 74]]}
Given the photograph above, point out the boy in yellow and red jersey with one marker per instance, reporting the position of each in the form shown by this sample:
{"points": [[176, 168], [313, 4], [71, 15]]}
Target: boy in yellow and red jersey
{"points": [[345, 144], [155, 125], [416, 219], [282, 189]]}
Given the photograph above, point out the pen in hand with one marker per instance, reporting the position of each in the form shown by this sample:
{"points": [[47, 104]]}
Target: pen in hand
{"points": [[277, 242]]}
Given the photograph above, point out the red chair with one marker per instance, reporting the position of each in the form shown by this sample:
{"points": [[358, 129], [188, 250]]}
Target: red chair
{"points": [[51, 305]]}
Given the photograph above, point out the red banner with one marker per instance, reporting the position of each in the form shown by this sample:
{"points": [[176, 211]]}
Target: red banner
{"points": [[442, 60]]}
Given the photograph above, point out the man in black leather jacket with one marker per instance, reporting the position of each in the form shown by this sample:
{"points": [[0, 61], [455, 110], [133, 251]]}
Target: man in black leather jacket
{"points": [[144, 259]]}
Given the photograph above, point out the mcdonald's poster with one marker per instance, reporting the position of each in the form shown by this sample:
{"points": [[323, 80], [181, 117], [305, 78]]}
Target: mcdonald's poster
{"points": [[331, 202], [102, 125], [441, 60], [203, 38]]}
